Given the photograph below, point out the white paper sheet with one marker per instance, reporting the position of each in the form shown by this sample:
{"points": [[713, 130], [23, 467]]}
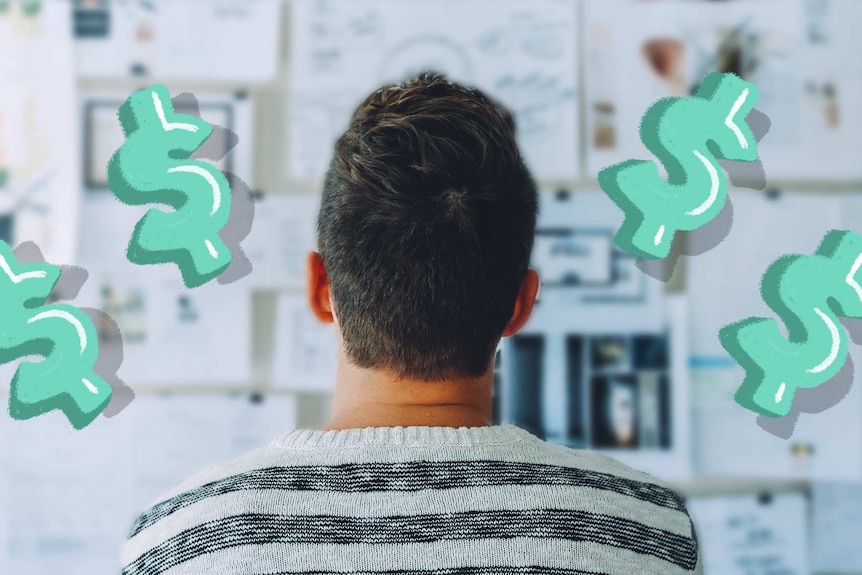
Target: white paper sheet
{"points": [[201, 335], [102, 135], [174, 437], [743, 535], [728, 441], [807, 88], [6, 373], [523, 54], [38, 148], [613, 65], [832, 85], [225, 40], [836, 525], [177, 435], [66, 494], [630, 300], [305, 349], [724, 287], [170, 334], [257, 420], [573, 257], [284, 232]]}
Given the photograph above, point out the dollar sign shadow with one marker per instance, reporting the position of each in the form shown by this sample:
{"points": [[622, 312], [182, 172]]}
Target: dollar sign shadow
{"points": [[820, 398], [220, 143], [698, 241], [72, 278]]}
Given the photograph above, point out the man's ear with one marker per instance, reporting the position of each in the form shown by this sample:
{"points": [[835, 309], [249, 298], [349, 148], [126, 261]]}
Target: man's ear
{"points": [[318, 288], [524, 303]]}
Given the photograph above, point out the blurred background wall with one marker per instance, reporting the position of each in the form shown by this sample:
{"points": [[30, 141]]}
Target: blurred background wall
{"points": [[621, 355]]}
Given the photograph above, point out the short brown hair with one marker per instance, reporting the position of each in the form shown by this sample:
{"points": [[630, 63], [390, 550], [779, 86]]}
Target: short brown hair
{"points": [[425, 229]]}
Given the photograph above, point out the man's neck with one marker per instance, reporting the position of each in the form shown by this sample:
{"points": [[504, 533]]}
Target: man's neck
{"points": [[369, 398]]}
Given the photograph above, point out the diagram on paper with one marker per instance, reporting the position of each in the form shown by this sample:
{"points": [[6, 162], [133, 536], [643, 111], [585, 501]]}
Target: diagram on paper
{"points": [[523, 55]]}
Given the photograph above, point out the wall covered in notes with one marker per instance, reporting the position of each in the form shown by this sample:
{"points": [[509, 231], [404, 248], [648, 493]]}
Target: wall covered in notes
{"points": [[620, 356]]}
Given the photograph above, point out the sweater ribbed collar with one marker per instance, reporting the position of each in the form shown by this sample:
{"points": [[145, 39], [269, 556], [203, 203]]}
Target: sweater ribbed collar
{"points": [[425, 436]]}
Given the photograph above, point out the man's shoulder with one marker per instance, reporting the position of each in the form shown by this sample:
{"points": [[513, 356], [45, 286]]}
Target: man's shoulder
{"points": [[615, 484], [599, 463], [612, 489]]}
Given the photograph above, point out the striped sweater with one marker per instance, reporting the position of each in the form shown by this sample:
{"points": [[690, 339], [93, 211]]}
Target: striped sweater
{"points": [[417, 500]]}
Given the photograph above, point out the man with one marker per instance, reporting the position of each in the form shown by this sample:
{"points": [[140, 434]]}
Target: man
{"points": [[425, 232]]}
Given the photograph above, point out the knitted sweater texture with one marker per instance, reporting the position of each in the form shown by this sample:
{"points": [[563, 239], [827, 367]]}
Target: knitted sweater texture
{"points": [[415, 500]]}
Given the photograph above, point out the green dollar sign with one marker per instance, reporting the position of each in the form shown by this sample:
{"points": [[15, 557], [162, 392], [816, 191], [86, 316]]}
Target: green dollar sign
{"points": [[686, 135], [62, 334], [152, 166], [799, 289]]}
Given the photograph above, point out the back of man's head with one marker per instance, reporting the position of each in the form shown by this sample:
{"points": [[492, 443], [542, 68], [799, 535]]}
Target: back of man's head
{"points": [[425, 230]]}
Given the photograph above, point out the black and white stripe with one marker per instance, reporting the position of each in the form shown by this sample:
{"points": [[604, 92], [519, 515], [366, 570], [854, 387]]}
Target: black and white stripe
{"points": [[410, 476], [495, 570], [260, 529], [421, 500]]}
